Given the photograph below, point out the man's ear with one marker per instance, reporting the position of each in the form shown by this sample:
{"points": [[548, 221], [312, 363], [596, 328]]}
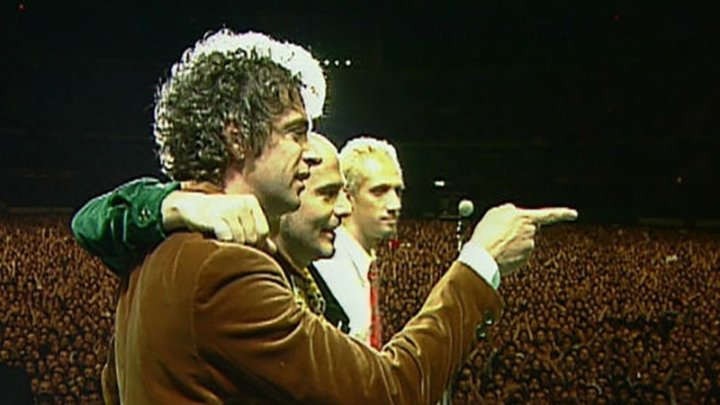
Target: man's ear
{"points": [[237, 152], [234, 143]]}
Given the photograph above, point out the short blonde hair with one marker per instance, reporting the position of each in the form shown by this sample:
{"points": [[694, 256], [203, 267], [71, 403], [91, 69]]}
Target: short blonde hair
{"points": [[355, 153]]}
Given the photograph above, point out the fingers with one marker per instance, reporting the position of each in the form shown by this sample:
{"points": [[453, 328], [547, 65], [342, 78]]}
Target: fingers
{"points": [[508, 233], [268, 245], [238, 229], [271, 245], [261, 225], [222, 230], [236, 218], [242, 221], [247, 223], [547, 216], [252, 219], [530, 228]]}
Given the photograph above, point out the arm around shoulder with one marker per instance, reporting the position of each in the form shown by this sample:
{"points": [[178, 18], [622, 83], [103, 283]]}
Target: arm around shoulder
{"points": [[121, 226]]}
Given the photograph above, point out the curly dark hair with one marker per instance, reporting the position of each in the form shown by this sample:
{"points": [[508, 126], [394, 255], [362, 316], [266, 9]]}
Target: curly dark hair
{"points": [[208, 93]]}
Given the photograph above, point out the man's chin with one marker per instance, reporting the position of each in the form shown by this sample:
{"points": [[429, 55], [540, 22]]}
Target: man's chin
{"points": [[292, 203], [389, 232], [326, 252]]}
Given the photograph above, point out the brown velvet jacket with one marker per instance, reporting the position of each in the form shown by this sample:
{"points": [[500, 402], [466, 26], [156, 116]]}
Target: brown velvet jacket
{"points": [[202, 321]]}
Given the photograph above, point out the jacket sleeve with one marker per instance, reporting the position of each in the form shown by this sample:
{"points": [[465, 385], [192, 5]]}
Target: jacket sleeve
{"points": [[247, 321], [108, 378], [120, 227]]}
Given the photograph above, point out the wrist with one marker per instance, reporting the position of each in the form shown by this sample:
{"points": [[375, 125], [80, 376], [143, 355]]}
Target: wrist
{"points": [[476, 256]]}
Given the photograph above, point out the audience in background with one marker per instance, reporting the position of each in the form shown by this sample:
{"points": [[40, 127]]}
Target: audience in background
{"points": [[56, 306], [603, 315]]}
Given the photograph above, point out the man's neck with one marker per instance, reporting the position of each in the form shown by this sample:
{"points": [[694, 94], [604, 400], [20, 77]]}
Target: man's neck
{"points": [[368, 244]]}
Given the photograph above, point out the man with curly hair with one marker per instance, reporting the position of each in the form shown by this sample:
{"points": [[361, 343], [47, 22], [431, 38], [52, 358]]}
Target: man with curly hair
{"points": [[199, 320], [236, 120]]}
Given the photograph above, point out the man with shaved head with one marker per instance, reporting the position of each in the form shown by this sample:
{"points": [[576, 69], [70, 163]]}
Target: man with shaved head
{"points": [[307, 233]]}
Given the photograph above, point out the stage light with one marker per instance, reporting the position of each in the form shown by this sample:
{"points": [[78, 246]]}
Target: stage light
{"points": [[337, 62], [326, 62], [439, 183], [348, 62]]}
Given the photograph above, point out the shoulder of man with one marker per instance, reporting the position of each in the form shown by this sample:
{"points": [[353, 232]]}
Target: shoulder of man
{"points": [[224, 281], [208, 262], [214, 253]]}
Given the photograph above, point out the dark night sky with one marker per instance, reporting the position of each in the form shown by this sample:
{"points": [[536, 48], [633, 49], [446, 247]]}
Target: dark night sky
{"points": [[610, 106]]}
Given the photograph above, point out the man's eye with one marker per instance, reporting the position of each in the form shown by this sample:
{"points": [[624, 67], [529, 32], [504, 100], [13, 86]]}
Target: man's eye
{"points": [[326, 197], [297, 134]]}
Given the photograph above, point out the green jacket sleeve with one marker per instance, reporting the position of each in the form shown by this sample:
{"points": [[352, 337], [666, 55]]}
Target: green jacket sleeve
{"points": [[120, 227]]}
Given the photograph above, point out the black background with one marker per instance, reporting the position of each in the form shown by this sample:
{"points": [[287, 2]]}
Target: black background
{"points": [[608, 106]]}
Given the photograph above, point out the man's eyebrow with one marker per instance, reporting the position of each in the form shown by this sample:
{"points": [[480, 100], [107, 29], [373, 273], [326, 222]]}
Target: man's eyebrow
{"points": [[331, 187], [300, 123], [385, 185]]}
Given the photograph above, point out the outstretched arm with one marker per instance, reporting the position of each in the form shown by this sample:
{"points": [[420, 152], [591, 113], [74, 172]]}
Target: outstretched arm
{"points": [[246, 320]]}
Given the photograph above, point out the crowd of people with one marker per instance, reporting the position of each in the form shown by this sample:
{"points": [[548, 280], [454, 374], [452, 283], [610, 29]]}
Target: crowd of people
{"points": [[603, 314], [56, 305]]}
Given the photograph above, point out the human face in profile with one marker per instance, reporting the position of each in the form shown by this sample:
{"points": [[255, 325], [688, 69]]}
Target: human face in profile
{"points": [[308, 233], [278, 175]]}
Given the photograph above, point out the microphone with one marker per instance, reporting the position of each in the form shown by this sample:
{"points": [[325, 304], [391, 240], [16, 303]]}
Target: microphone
{"points": [[465, 209]]}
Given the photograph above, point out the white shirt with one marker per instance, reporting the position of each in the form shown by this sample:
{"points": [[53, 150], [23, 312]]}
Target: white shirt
{"points": [[346, 275]]}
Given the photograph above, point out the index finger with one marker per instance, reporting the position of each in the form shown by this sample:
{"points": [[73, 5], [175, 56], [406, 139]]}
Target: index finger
{"points": [[550, 215]]}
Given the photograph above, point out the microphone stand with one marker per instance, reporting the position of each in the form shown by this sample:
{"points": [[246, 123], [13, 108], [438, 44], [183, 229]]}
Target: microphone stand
{"points": [[463, 214], [459, 232]]}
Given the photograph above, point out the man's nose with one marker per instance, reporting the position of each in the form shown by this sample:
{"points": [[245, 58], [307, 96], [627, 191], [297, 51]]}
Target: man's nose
{"points": [[311, 158], [394, 203], [343, 207]]}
